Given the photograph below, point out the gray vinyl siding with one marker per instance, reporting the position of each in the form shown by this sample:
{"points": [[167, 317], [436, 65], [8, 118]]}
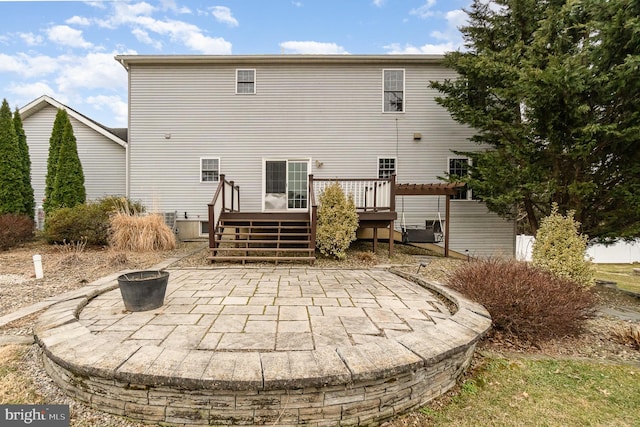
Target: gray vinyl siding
{"points": [[103, 160], [329, 113]]}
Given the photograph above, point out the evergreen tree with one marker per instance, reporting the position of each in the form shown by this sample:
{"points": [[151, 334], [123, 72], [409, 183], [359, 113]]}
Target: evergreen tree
{"points": [[553, 93], [68, 189], [11, 198], [52, 161], [27, 188]]}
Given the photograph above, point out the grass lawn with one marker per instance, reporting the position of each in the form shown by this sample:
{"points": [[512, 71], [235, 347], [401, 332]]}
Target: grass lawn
{"points": [[622, 274], [549, 392]]}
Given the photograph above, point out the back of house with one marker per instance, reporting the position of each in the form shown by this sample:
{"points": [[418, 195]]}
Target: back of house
{"points": [[268, 121]]}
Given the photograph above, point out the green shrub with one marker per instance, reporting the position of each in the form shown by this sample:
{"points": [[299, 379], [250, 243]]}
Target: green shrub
{"points": [[337, 222], [86, 222], [14, 230], [560, 248], [527, 304]]}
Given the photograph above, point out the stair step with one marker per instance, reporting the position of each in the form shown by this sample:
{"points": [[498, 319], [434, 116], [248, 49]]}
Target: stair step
{"points": [[244, 236], [266, 227], [223, 249], [310, 259]]}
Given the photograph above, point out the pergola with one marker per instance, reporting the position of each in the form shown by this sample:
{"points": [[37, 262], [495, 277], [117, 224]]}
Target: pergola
{"points": [[435, 189]]}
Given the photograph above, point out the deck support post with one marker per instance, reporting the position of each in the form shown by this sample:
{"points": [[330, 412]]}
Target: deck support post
{"points": [[392, 235], [446, 226], [375, 240]]}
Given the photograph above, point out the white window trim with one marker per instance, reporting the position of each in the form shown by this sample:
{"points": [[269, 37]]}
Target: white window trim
{"points": [[404, 91], [255, 83], [219, 169], [469, 191], [385, 157], [284, 159]]}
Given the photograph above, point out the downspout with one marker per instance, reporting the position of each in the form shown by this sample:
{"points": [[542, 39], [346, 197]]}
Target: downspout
{"points": [[127, 154]]}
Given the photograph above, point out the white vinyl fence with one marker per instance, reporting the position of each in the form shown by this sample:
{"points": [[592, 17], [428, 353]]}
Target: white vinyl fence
{"points": [[618, 253]]}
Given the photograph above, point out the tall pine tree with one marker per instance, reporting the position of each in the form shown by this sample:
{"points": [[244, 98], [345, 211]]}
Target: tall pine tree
{"points": [[25, 164], [11, 198], [68, 189], [552, 90], [52, 161]]}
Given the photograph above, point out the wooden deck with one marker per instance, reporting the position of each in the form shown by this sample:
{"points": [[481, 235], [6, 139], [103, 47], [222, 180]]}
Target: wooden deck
{"points": [[240, 236]]}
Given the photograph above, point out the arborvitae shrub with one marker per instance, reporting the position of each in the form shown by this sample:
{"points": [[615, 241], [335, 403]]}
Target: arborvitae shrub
{"points": [[337, 222], [68, 187], [527, 304], [86, 222], [560, 248], [14, 230]]}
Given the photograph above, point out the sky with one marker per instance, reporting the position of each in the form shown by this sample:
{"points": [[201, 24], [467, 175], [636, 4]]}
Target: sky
{"points": [[66, 49]]}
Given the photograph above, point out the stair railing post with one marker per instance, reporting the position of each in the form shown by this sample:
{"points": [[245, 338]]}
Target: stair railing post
{"points": [[233, 198], [223, 182], [392, 208]]}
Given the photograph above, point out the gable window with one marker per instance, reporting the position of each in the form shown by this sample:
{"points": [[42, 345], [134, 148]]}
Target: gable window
{"points": [[386, 167], [393, 91], [245, 81], [209, 169], [459, 167]]}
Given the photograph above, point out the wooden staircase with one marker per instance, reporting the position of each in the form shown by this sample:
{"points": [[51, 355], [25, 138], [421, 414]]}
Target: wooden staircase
{"points": [[274, 237]]}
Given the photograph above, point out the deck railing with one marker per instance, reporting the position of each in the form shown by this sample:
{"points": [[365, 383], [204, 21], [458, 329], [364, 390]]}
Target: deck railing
{"points": [[369, 195], [226, 199], [313, 214]]}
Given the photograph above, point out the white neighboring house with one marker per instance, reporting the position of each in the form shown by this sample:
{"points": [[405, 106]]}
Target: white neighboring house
{"points": [[102, 150], [267, 121]]}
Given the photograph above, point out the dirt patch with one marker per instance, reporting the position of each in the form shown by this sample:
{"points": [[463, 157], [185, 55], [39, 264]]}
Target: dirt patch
{"points": [[67, 268]]}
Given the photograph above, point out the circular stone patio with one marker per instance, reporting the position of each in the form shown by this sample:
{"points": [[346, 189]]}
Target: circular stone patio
{"points": [[279, 346]]}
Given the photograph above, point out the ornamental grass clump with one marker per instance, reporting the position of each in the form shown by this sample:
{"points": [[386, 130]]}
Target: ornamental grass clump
{"points": [[527, 304], [337, 222], [560, 249], [140, 233]]}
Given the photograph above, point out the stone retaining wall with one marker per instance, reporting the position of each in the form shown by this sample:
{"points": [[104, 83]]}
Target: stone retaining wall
{"points": [[357, 403]]}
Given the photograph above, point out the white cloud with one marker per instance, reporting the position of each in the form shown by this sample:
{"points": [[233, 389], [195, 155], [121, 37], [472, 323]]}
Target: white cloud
{"points": [[113, 104], [78, 20], [427, 49], [31, 39], [67, 36], [143, 36], [28, 66], [223, 14], [297, 3], [172, 5], [310, 47], [378, 3], [126, 13], [456, 18], [138, 16], [450, 37], [27, 92], [93, 71], [424, 11]]}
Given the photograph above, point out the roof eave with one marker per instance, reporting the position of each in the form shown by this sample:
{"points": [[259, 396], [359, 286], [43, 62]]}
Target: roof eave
{"points": [[127, 60]]}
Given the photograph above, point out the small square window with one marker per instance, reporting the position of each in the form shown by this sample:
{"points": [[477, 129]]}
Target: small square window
{"points": [[386, 167], [209, 170], [245, 81]]}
